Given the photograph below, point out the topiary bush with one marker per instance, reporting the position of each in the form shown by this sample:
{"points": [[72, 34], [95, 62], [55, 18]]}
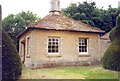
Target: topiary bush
{"points": [[111, 58], [11, 64]]}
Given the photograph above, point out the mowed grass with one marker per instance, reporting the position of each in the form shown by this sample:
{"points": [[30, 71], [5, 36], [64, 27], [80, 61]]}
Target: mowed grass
{"points": [[81, 72]]}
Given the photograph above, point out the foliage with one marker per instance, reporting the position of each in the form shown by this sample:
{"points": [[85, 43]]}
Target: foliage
{"points": [[90, 14], [15, 24], [111, 59], [11, 64]]}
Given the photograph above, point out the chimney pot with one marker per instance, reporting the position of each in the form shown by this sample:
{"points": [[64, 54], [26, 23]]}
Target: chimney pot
{"points": [[55, 7]]}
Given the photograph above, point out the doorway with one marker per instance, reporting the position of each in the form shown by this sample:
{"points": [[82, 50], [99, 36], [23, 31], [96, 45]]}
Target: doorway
{"points": [[23, 51]]}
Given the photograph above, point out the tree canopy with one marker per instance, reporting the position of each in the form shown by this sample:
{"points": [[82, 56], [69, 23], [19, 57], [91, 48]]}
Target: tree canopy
{"points": [[90, 14], [15, 24]]}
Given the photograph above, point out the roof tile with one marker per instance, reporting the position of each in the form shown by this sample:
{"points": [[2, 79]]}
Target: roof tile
{"points": [[60, 22]]}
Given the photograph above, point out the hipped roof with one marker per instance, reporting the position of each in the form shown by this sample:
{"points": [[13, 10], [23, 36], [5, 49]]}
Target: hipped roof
{"points": [[61, 23]]}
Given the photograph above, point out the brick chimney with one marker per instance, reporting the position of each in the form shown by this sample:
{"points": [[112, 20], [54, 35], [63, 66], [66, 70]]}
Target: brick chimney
{"points": [[55, 7]]}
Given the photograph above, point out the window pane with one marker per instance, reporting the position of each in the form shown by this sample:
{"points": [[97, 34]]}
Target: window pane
{"points": [[56, 39], [82, 40], [49, 43], [49, 46], [53, 51], [56, 51], [56, 43], [82, 45], [53, 39], [80, 50], [53, 45], [49, 50], [85, 50], [85, 41], [56, 48], [49, 39]]}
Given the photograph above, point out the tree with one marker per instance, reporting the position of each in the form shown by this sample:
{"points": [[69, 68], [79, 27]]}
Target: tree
{"points": [[11, 64], [108, 18], [89, 13], [84, 12], [111, 59], [15, 24]]}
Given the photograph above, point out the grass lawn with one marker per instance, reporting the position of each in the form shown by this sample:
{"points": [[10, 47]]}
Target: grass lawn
{"points": [[81, 72]]}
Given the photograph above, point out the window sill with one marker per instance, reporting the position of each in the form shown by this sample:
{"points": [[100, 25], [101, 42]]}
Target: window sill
{"points": [[28, 56], [84, 55], [54, 55]]}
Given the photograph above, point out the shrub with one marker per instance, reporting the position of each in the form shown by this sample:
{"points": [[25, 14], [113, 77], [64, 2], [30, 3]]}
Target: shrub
{"points": [[111, 59], [11, 64]]}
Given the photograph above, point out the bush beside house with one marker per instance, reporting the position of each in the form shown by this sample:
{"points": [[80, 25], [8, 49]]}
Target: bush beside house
{"points": [[111, 59], [10, 59]]}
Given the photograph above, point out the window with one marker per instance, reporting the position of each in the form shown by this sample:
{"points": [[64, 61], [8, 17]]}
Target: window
{"points": [[21, 50], [28, 46], [53, 45], [83, 46], [22, 47]]}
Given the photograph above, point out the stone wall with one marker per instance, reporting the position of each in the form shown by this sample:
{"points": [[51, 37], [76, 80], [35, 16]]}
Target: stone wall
{"points": [[68, 52], [104, 44], [65, 64]]}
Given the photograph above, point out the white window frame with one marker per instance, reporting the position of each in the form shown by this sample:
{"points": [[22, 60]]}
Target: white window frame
{"points": [[53, 53], [83, 53], [27, 47], [21, 47]]}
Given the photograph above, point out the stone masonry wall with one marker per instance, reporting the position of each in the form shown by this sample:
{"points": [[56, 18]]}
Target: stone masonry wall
{"points": [[68, 51]]}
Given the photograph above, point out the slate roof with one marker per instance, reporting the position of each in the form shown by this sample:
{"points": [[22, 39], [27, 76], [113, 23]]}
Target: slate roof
{"points": [[62, 23]]}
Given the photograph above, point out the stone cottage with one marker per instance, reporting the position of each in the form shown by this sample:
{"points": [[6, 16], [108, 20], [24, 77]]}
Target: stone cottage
{"points": [[57, 40]]}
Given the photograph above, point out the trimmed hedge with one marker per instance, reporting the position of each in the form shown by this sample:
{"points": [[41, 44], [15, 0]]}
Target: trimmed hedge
{"points": [[11, 64], [111, 59]]}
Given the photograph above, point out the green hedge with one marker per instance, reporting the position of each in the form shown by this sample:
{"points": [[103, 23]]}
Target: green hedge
{"points": [[111, 59], [11, 64]]}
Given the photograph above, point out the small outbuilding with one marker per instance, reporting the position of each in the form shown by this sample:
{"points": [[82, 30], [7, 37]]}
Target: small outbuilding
{"points": [[57, 40]]}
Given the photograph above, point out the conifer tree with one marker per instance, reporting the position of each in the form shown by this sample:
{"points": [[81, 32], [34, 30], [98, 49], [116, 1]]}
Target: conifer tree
{"points": [[111, 59]]}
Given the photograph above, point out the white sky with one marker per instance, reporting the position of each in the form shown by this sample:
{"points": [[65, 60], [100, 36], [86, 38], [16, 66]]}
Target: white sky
{"points": [[42, 7]]}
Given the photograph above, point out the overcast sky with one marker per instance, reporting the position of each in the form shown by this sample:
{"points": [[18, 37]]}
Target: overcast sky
{"points": [[42, 7]]}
